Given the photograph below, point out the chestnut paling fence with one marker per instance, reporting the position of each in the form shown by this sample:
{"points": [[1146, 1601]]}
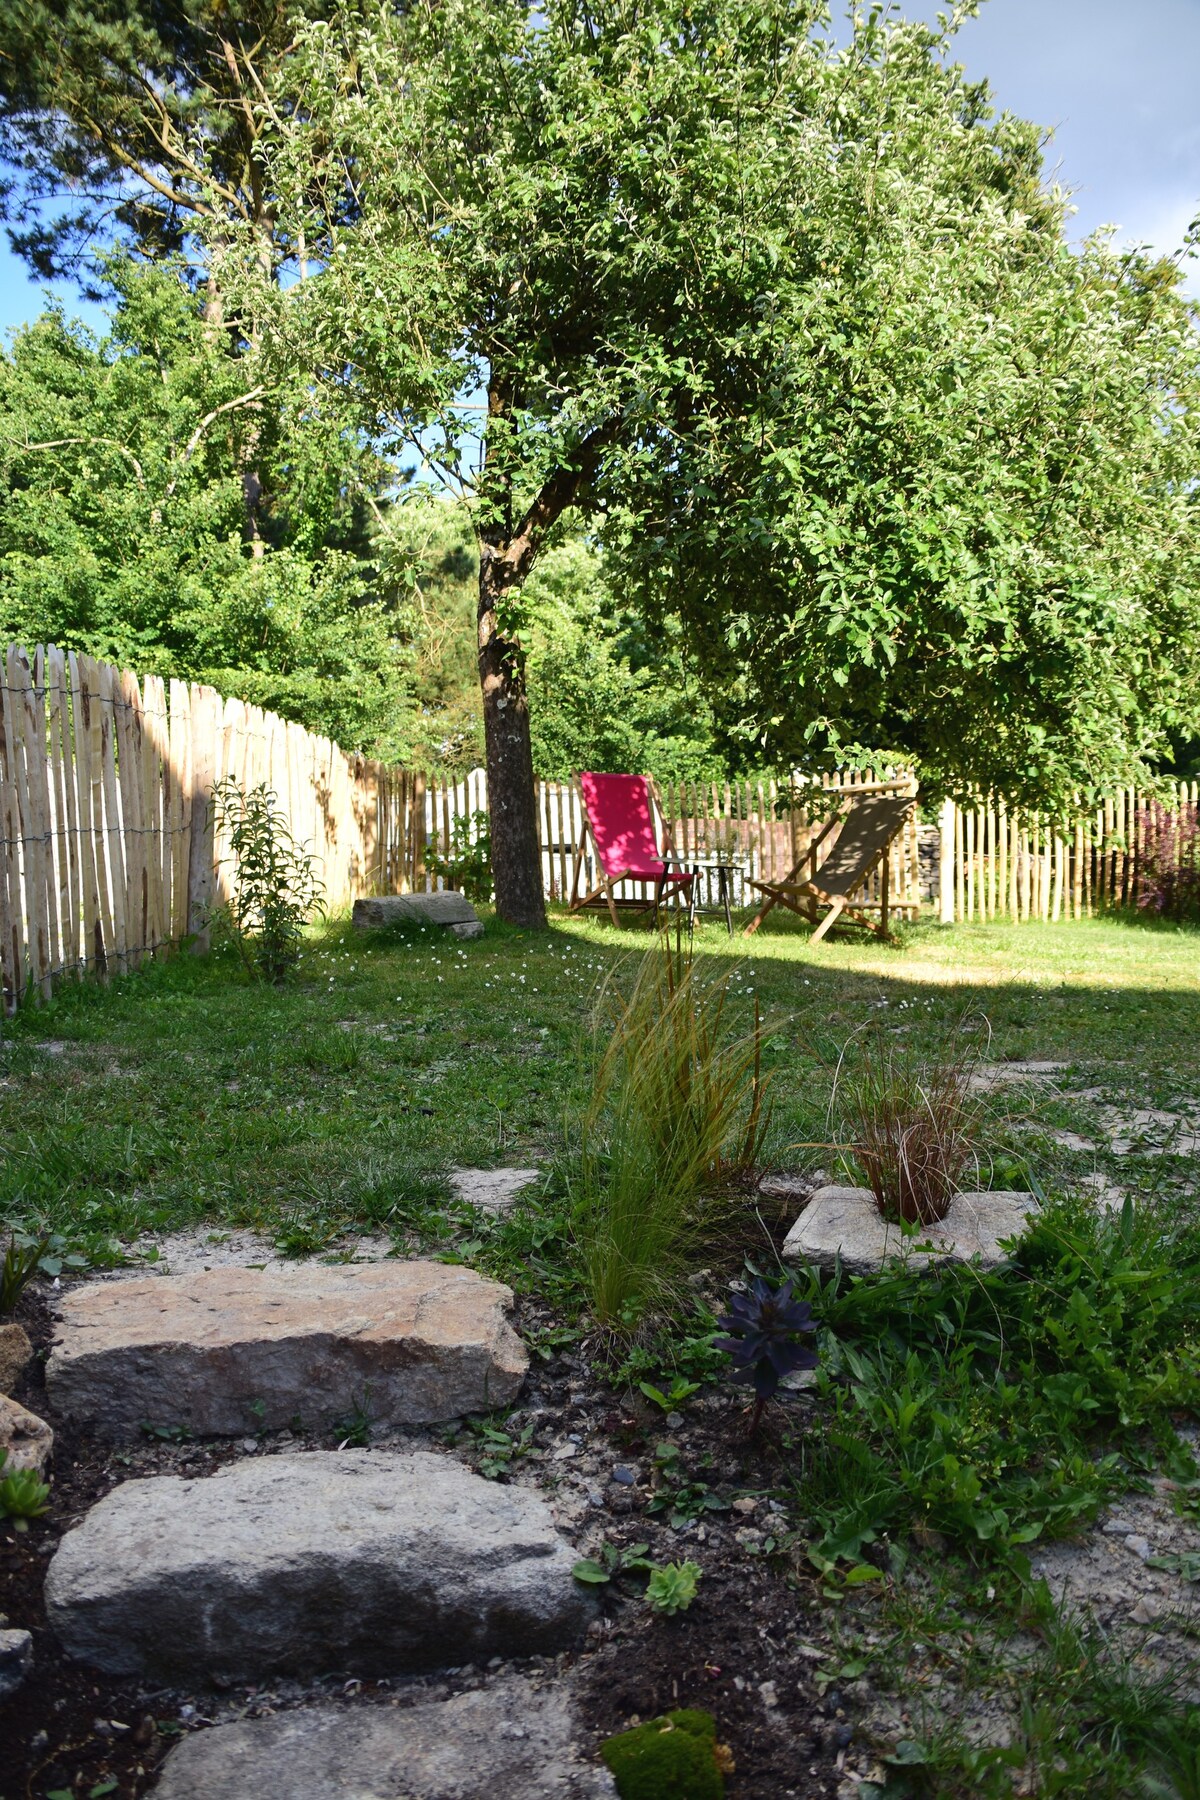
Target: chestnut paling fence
{"points": [[107, 848], [1024, 866], [108, 853]]}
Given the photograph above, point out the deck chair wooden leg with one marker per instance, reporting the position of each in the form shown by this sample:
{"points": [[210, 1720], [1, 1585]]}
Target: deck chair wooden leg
{"points": [[834, 912], [612, 905]]}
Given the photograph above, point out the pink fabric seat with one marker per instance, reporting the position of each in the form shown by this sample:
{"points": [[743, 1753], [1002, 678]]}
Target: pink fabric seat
{"points": [[619, 818]]}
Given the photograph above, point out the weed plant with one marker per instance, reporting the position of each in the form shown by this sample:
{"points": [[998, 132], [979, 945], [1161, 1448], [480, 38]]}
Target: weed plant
{"points": [[676, 1110], [913, 1124]]}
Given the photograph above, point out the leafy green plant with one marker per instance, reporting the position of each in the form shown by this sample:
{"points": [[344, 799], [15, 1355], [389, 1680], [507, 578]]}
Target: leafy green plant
{"points": [[912, 1124], [672, 1587], [28, 1255], [993, 1409], [677, 1108], [275, 888], [765, 1325], [23, 1495], [677, 1395], [499, 1448], [466, 861], [610, 1562]]}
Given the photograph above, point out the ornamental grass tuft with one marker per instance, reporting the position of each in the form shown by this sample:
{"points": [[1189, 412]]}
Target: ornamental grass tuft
{"points": [[676, 1111]]}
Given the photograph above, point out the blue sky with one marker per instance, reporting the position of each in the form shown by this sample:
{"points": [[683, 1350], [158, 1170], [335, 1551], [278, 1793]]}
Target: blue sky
{"points": [[1117, 80]]}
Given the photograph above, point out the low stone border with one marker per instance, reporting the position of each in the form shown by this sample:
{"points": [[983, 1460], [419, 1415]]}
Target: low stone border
{"points": [[844, 1222]]}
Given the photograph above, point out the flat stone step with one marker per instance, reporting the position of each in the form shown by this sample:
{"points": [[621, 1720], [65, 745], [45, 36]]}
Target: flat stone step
{"points": [[510, 1741], [449, 908], [356, 1560], [227, 1351]]}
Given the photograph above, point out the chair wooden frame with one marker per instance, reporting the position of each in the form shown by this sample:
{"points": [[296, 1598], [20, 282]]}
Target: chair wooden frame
{"points": [[807, 896], [602, 894]]}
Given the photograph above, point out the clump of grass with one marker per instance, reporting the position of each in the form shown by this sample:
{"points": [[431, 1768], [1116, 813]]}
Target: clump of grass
{"points": [[677, 1109], [913, 1125]]}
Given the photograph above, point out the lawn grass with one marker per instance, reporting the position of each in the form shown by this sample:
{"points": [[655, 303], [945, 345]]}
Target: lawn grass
{"points": [[186, 1094]]}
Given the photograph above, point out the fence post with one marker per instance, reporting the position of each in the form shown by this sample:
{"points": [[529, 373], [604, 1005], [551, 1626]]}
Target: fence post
{"points": [[946, 864]]}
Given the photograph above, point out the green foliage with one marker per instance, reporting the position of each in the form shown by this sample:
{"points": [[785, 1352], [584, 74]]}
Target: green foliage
{"points": [[275, 888], [676, 1107], [27, 1256], [123, 524], [672, 1587], [678, 1394], [466, 863], [499, 1448], [994, 1408], [599, 1570], [672, 1758], [23, 1495]]}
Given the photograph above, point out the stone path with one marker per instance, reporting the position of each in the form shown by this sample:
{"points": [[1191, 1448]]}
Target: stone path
{"points": [[305, 1565], [229, 1351], [512, 1741], [350, 1560]]}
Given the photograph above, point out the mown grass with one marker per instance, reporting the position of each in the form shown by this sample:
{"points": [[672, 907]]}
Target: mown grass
{"points": [[187, 1094]]}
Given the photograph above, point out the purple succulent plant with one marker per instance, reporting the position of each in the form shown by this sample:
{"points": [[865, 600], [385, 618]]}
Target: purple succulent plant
{"points": [[764, 1324]]}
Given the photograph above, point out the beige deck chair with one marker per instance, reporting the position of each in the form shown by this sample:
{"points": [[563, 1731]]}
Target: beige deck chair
{"points": [[868, 828]]}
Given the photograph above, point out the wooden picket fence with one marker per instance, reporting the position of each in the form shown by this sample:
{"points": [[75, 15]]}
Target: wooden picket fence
{"points": [[996, 864], [107, 851]]}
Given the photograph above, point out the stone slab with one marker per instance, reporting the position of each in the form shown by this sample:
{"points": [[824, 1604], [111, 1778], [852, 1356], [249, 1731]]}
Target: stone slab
{"points": [[225, 1351], [491, 1190], [16, 1660], [448, 908], [26, 1440], [510, 1741], [16, 1354], [844, 1223], [361, 1561]]}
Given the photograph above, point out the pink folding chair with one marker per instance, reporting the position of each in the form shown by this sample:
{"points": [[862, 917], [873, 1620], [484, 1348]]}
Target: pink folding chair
{"points": [[619, 813]]}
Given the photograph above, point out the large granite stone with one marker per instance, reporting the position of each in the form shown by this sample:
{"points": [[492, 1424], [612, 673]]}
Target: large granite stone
{"points": [[449, 908], [351, 1560], [843, 1223], [16, 1354], [26, 1440], [511, 1741], [229, 1350]]}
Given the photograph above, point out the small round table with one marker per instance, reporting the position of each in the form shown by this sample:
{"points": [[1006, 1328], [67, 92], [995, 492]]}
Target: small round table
{"points": [[724, 867]]}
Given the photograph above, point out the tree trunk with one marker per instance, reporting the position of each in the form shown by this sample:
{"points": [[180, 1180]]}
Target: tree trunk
{"points": [[516, 859]]}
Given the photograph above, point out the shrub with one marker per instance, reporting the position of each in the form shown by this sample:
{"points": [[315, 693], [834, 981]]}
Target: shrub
{"points": [[275, 888], [1168, 880], [676, 1110], [466, 863], [912, 1126]]}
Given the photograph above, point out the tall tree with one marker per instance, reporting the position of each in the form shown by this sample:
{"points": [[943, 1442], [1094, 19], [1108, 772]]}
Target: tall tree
{"points": [[539, 232], [702, 270], [120, 510], [130, 124]]}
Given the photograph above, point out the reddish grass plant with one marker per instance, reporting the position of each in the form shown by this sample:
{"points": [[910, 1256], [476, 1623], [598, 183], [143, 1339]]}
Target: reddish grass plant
{"points": [[913, 1126]]}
